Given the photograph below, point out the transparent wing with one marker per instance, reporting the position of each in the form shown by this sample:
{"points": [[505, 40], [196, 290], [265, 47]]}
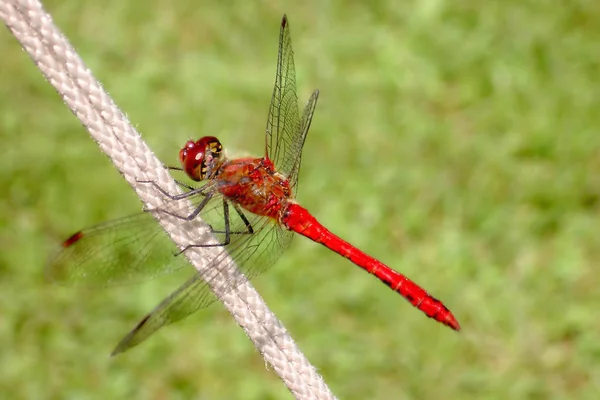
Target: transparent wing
{"points": [[122, 251], [254, 254], [135, 248], [285, 133], [298, 145], [283, 120]]}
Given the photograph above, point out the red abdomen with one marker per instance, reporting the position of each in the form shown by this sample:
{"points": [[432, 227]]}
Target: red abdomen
{"points": [[298, 219]]}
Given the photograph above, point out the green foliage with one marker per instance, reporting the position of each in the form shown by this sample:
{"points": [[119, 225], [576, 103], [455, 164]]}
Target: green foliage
{"points": [[456, 141]]}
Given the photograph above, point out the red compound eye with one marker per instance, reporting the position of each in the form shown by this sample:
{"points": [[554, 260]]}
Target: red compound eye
{"points": [[198, 157]]}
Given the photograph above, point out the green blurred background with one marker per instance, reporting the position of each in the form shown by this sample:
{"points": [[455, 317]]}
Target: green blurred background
{"points": [[456, 141]]}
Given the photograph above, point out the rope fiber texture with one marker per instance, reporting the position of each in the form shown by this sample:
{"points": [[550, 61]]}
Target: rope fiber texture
{"points": [[109, 127]]}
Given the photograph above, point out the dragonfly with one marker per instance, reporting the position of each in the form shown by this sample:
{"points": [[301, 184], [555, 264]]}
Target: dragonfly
{"points": [[250, 207]]}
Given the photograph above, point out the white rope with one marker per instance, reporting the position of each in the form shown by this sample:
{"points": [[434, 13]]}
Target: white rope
{"points": [[109, 127]]}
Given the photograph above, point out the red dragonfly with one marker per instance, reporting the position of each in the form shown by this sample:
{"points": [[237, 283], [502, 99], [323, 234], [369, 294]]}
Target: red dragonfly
{"points": [[250, 207]]}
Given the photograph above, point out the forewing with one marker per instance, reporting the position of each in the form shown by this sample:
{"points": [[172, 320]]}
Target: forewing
{"points": [[253, 254], [126, 250], [283, 119], [286, 133], [122, 251]]}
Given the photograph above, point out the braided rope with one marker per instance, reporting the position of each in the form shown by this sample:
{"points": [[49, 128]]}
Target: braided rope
{"points": [[109, 127]]}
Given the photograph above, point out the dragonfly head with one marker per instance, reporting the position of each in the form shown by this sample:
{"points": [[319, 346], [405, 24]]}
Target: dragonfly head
{"points": [[201, 158]]}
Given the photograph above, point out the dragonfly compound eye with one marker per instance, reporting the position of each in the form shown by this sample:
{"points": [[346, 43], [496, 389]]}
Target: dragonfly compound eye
{"points": [[200, 158]]}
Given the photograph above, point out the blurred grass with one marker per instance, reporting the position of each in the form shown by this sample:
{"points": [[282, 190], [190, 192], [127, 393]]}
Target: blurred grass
{"points": [[455, 141]]}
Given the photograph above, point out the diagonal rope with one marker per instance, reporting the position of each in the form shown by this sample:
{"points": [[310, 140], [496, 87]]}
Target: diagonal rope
{"points": [[109, 127]]}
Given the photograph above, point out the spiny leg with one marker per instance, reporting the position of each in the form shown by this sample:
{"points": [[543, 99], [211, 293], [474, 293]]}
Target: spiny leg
{"points": [[186, 186], [172, 168], [194, 214], [207, 197], [192, 192], [183, 185], [249, 230], [227, 231]]}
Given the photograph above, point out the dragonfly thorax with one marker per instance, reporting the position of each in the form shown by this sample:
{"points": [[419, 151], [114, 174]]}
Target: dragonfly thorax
{"points": [[202, 158], [255, 184]]}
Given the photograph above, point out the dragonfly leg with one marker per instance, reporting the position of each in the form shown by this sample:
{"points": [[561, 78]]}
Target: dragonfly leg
{"points": [[186, 186], [183, 185], [194, 214], [227, 232], [165, 166], [192, 192], [249, 230]]}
